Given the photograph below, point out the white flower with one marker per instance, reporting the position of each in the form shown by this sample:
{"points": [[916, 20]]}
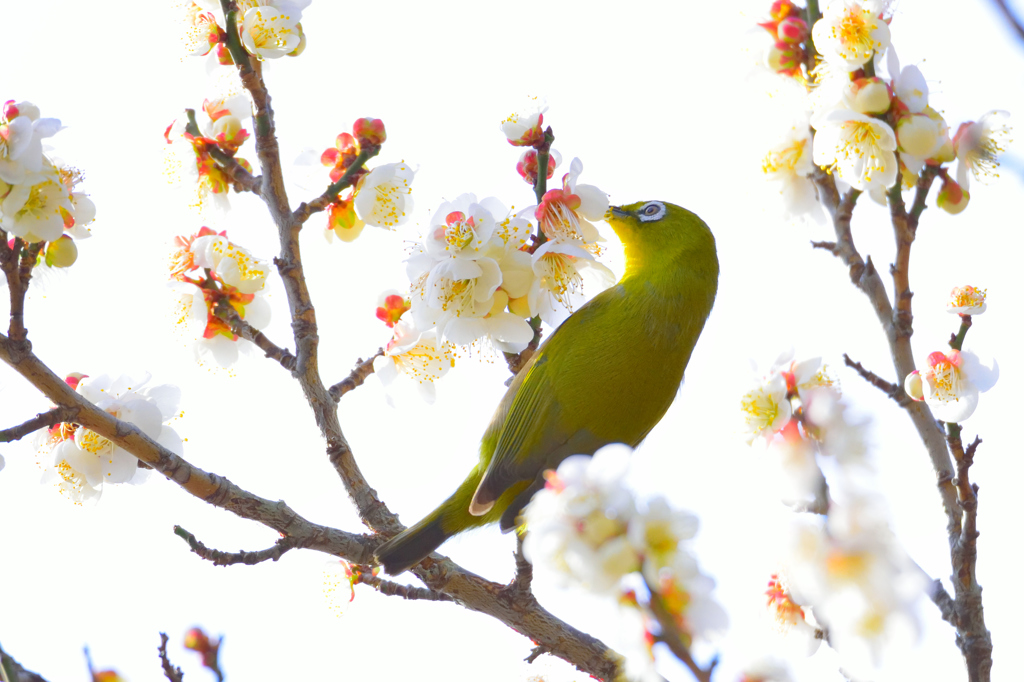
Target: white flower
{"points": [[827, 421], [33, 212], [578, 524], [966, 300], [455, 290], [657, 532], [210, 338], [978, 146], [766, 670], [21, 148], [789, 164], [558, 268], [84, 460], [860, 148], [525, 128], [765, 408], [234, 265], [382, 197], [416, 356], [463, 228], [908, 84], [849, 33], [950, 383], [269, 33], [565, 214]]}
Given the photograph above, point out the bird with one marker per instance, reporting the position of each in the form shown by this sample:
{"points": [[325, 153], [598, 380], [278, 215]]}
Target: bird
{"points": [[607, 374]]}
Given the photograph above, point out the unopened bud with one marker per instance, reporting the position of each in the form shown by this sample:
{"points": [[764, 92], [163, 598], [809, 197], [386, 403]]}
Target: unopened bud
{"points": [[196, 640], [301, 47], [500, 302], [369, 132], [784, 59], [792, 30], [952, 197], [61, 253], [226, 127], [520, 307], [870, 96], [782, 9], [342, 218], [918, 135], [914, 386]]}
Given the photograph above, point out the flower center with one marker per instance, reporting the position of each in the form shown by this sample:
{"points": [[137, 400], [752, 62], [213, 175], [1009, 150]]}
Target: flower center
{"points": [[784, 159], [855, 33]]}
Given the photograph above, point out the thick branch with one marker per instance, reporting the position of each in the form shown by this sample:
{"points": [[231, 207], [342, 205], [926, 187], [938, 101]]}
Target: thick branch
{"points": [[12, 671], [356, 377], [40, 421], [220, 558]]}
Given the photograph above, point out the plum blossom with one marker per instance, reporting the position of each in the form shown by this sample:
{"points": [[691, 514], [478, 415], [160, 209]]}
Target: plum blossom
{"points": [[565, 213], [391, 305], [415, 356], [860, 148], [579, 523], [789, 618], [978, 146], [83, 461], [211, 276], [950, 383], [857, 580], [525, 128], [21, 148], [559, 268], [849, 33], [35, 212], [789, 164], [382, 195], [766, 408], [967, 300]]}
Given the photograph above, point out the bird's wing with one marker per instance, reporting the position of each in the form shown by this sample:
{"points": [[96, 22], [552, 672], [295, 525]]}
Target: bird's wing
{"points": [[532, 422]]}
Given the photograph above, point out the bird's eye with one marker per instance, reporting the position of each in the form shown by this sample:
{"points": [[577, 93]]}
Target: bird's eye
{"points": [[652, 210]]}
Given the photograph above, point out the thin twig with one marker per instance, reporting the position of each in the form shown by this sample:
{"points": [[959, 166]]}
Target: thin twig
{"points": [[40, 421], [220, 558], [305, 210], [894, 391], [393, 589], [356, 377], [947, 607], [242, 179], [226, 313], [1011, 17], [171, 672]]}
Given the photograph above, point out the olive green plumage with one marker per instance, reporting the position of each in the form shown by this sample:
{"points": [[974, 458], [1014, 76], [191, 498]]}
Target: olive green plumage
{"points": [[606, 375]]}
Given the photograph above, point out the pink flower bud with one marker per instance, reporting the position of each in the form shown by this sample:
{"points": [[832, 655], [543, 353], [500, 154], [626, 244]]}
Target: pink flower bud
{"points": [[782, 9], [369, 132], [952, 197], [792, 30], [784, 59]]}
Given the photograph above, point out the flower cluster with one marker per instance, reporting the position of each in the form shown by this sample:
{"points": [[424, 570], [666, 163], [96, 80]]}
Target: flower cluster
{"points": [[213, 139], [214, 279], [867, 129], [267, 29], [39, 196], [378, 197], [82, 461], [588, 528], [844, 572], [951, 381]]}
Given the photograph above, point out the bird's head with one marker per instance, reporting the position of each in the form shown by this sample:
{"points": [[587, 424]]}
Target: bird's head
{"points": [[657, 232]]}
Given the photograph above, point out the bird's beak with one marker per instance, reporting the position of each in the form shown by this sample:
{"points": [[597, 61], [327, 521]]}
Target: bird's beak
{"points": [[618, 212]]}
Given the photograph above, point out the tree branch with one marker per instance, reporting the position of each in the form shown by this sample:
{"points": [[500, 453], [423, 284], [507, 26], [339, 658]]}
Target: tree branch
{"points": [[356, 377], [12, 671], [304, 211], [393, 589], [894, 391], [172, 673], [1011, 18], [973, 638], [225, 312], [673, 638], [220, 558], [40, 421]]}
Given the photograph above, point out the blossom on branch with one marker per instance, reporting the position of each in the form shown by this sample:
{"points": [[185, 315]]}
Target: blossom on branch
{"points": [[860, 148], [849, 33], [966, 300], [525, 129], [82, 460], [790, 165], [382, 195], [414, 356], [950, 383], [978, 146]]}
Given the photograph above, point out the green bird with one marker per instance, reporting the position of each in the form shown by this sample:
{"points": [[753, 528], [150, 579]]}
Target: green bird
{"points": [[607, 375]]}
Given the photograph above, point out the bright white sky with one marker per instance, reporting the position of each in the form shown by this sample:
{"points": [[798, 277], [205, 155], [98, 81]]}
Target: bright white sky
{"points": [[656, 99]]}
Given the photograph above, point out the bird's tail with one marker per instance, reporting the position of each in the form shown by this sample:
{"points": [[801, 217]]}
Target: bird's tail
{"points": [[412, 545]]}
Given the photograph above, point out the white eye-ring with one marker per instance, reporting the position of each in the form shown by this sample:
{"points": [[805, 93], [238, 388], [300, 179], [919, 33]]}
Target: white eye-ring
{"points": [[652, 210]]}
